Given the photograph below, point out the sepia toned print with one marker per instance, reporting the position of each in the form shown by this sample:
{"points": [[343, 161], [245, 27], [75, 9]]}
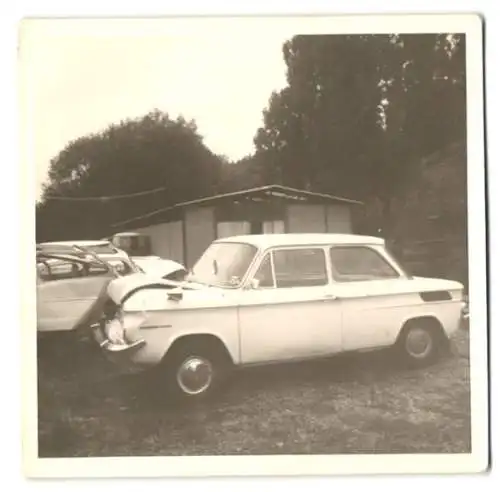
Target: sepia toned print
{"points": [[256, 249]]}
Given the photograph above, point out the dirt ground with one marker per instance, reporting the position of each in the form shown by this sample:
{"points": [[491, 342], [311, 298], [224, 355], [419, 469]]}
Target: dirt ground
{"points": [[350, 404]]}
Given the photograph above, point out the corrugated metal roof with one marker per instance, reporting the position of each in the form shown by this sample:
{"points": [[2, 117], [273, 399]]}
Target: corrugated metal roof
{"points": [[253, 193]]}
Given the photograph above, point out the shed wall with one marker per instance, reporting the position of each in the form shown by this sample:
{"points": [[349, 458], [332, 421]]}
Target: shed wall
{"points": [[338, 219], [319, 218], [200, 228], [166, 239], [306, 218], [236, 228], [200, 231]]}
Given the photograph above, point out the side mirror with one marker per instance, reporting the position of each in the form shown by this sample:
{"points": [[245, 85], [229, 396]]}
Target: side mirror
{"points": [[175, 295], [254, 284]]}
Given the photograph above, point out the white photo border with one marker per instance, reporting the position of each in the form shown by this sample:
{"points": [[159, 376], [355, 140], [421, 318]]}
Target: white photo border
{"points": [[476, 461]]}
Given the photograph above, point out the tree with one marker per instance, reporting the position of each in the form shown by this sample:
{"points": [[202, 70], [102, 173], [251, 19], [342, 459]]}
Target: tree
{"points": [[319, 128], [136, 155], [247, 172], [359, 109]]}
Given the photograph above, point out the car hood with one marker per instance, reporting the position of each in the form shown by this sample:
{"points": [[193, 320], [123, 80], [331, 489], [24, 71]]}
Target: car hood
{"points": [[141, 291]]}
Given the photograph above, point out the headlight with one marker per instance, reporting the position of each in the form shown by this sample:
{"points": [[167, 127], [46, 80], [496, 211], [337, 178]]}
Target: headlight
{"points": [[465, 310], [122, 329], [115, 332]]}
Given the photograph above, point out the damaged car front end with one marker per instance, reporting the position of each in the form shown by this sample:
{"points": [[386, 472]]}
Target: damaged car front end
{"points": [[118, 331]]}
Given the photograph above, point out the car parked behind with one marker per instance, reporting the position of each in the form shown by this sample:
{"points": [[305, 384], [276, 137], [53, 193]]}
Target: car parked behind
{"points": [[140, 249]]}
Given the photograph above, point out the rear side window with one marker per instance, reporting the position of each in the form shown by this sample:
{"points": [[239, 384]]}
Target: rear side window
{"points": [[355, 263], [301, 267]]}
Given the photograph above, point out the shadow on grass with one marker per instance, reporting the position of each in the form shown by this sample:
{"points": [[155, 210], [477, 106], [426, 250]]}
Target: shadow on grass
{"points": [[88, 377], [87, 408]]}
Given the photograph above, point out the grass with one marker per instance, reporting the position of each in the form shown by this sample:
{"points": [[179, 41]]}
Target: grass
{"points": [[350, 404]]}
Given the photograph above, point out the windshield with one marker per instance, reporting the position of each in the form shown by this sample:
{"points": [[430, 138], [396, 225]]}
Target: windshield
{"points": [[223, 264]]}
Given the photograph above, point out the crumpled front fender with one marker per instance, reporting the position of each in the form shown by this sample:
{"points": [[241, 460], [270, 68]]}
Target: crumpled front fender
{"points": [[122, 288]]}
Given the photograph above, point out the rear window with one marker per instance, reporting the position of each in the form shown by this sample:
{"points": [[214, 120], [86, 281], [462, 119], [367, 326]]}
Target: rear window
{"points": [[353, 263]]}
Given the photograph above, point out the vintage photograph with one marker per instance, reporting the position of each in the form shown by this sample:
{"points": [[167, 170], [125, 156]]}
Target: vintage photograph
{"points": [[255, 238]]}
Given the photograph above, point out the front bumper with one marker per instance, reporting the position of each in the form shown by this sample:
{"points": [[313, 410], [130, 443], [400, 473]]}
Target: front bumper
{"points": [[115, 350], [121, 348], [464, 316]]}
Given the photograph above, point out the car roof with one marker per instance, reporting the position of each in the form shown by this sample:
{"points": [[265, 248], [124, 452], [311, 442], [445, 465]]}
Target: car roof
{"points": [[41, 256], [85, 242], [126, 234], [301, 239]]}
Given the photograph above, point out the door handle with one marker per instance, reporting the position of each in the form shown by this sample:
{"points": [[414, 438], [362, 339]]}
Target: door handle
{"points": [[329, 296]]}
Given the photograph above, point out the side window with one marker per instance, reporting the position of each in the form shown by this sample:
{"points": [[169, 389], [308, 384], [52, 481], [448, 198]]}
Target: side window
{"points": [[264, 274], [53, 269], [353, 263], [301, 267]]}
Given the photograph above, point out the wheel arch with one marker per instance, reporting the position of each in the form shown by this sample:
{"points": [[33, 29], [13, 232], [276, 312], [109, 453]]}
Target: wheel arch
{"points": [[207, 341], [429, 320]]}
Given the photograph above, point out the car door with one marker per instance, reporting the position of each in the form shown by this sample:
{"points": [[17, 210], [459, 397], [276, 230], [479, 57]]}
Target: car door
{"points": [[371, 291], [292, 313], [64, 301]]}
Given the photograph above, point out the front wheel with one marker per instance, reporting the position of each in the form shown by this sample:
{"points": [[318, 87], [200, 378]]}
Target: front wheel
{"points": [[192, 373]]}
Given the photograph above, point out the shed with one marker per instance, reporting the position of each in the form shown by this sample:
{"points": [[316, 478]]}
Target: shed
{"points": [[183, 231]]}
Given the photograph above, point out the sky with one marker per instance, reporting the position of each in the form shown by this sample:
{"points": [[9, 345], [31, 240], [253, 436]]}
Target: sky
{"points": [[78, 83]]}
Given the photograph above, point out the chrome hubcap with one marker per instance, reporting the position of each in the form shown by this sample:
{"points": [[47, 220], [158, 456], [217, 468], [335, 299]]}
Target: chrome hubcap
{"points": [[418, 343], [194, 375]]}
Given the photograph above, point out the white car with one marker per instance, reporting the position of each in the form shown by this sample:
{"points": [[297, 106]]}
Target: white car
{"points": [[261, 299]]}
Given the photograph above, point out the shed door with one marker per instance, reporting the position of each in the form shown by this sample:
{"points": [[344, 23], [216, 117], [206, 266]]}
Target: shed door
{"points": [[306, 218], [227, 229], [273, 227], [338, 219]]}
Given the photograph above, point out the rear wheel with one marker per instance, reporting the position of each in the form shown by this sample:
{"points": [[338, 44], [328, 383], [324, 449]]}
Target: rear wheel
{"points": [[420, 343]]}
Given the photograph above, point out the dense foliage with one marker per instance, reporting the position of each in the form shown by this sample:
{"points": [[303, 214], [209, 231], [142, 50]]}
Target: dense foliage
{"points": [[149, 153], [359, 110]]}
